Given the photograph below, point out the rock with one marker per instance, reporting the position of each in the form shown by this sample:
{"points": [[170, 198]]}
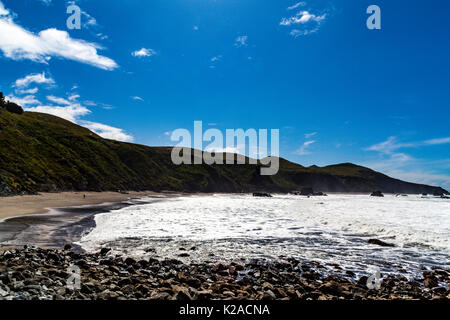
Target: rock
{"points": [[130, 261], [194, 283], [53, 256], [262, 194], [67, 247], [362, 282], [430, 282], [104, 251], [332, 288], [3, 293], [181, 293], [380, 243], [269, 295], [377, 194], [307, 191]]}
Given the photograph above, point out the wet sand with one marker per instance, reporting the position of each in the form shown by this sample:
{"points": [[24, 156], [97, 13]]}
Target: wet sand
{"points": [[40, 203], [52, 220]]}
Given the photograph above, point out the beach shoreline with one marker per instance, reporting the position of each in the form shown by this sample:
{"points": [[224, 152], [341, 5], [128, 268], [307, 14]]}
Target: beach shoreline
{"points": [[52, 220], [42, 203]]}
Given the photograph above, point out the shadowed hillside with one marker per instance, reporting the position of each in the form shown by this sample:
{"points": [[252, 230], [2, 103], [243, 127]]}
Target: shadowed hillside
{"points": [[41, 152]]}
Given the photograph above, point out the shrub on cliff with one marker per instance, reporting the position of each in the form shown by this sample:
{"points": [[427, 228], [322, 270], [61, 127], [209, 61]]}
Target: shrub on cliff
{"points": [[2, 100], [13, 107]]}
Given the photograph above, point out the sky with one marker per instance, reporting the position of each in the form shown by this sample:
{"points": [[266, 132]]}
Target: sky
{"points": [[337, 91]]}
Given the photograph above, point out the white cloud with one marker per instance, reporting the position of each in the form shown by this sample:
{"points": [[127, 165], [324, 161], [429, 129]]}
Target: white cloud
{"points": [[58, 100], [3, 11], [107, 132], [144, 53], [391, 144], [69, 112], [437, 141], [310, 135], [67, 108], [402, 166], [305, 22], [74, 97], [137, 98], [216, 58], [304, 148], [295, 6], [18, 43], [26, 101], [224, 150], [195, 28], [302, 17], [241, 41], [398, 170], [27, 91], [39, 78]]}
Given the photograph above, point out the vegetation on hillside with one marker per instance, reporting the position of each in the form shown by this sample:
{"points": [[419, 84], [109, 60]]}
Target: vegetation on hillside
{"points": [[41, 152]]}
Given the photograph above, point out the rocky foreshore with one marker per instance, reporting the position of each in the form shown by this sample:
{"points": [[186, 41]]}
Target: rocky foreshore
{"points": [[33, 273]]}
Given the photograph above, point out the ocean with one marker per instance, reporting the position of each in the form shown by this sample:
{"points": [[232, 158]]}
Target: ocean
{"points": [[333, 230]]}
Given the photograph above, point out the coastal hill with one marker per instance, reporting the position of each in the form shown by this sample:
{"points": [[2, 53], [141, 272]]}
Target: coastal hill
{"points": [[41, 152]]}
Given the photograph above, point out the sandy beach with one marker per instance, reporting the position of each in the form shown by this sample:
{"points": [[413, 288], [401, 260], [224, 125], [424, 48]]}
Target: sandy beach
{"points": [[34, 204]]}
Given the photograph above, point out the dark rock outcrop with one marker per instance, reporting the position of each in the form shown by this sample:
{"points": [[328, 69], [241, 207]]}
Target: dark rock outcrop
{"points": [[262, 194], [380, 243], [377, 194]]}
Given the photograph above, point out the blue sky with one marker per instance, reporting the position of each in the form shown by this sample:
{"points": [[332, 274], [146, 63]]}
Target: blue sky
{"points": [[338, 92]]}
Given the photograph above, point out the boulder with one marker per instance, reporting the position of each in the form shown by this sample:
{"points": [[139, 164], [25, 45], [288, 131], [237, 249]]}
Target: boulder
{"points": [[377, 194], [307, 192], [380, 243], [262, 194]]}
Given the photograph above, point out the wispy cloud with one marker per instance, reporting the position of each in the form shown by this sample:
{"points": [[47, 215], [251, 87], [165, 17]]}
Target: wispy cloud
{"points": [[304, 22], [304, 148], [302, 17], [39, 78], [137, 98], [27, 91], [295, 6], [398, 164], [310, 135], [17, 43], [144, 52], [25, 101], [69, 108], [390, 145], [437, 141], [107, 132], [241, 41]]}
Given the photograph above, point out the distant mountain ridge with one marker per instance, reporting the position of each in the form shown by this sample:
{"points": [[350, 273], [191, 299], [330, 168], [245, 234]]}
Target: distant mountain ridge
{"points": [[41, 152]]}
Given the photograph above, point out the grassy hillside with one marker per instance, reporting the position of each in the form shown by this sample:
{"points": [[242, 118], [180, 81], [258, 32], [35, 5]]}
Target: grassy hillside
{"points": [[40, 152]]}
